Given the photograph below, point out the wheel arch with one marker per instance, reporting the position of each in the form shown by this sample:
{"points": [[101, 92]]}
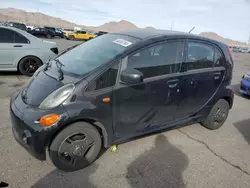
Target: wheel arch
{"points": [[101, 129], [229, 100], [26, 57]]}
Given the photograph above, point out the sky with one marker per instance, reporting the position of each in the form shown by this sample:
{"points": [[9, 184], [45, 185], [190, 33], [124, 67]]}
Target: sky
{"points": [[228, 18]]}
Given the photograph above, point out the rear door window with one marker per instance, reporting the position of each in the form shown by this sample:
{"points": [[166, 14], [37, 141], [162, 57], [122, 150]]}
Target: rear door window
{"points": [[199, 56], [6, 35], [219, 59]]}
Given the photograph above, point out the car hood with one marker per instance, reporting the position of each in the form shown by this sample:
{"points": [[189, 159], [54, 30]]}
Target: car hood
{"points": [[38, 88]]}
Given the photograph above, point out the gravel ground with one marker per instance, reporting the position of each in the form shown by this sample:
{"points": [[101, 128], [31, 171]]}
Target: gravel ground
{"points": [[188, 157]]}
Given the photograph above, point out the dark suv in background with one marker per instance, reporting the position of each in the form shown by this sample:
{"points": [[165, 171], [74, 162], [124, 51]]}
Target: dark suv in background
{"points": [[42, 32], [57, 31], [16, 25], [140, 82]]}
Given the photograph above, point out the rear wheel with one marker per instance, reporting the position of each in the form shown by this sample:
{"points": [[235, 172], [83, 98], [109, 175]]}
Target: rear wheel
{"points": [[48, 36], [217, 116], [75, 147], [71, 37], [28, 65]]}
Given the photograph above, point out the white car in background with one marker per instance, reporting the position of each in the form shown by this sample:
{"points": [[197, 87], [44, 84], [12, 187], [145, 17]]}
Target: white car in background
{"points": [[21, 51]]}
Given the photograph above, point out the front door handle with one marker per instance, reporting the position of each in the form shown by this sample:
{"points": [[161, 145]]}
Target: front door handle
{"points": [[18, 46], [172, 83], [217, 75]]}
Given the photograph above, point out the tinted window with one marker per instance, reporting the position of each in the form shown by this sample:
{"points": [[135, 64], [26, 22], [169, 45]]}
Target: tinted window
{"points": [[218, 58], [107, 79], [7, 36], [20, 39], [199, 55], [91, 54], [164, 58]]}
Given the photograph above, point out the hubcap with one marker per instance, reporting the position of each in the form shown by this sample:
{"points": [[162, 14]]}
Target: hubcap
{"points": [[74, 149], [30, 66], [219, 116]]}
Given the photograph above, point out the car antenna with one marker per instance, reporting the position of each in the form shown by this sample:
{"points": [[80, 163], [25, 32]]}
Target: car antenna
{"points": [[191, 30]]}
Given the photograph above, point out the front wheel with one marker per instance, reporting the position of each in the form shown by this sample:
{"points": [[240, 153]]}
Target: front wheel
{"points": [[217, 116], [75, 147]]}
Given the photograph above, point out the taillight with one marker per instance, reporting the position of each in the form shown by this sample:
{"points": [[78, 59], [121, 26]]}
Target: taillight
{"points": [[55, 50], [230, 53]]}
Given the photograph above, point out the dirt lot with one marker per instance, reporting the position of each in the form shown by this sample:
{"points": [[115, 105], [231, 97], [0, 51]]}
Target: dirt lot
{"points": [[189, 157]]}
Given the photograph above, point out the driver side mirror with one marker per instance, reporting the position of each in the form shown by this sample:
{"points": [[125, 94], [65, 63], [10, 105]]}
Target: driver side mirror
{"points": [[131, 76]]}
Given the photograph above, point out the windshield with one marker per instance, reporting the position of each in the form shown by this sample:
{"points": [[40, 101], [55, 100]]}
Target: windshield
{"points": [[94, 53]]}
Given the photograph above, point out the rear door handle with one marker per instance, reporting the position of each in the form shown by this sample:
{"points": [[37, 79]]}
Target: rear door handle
{"points": [[217, 75], [172, 83], [18, 46]]}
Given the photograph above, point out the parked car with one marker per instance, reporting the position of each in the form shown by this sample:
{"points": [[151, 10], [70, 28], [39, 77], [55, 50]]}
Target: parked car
{"points": [[140, 82], [20, 51], [56, 31], [245, 50], [245, 84], [81, 35], [236, 49], [66, 32], [42, 32], [21, 26], [99, 33]]}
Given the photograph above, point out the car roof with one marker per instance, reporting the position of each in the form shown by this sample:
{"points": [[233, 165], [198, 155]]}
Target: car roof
{"points": [[146, 34], [29, 36], [12, 28]]}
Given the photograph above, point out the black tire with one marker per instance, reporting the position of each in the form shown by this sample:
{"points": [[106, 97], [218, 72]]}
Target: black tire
{"points": [[217, 116], [62, 159], [90, 38], [71, 37], [48, 36], [28, 65]]}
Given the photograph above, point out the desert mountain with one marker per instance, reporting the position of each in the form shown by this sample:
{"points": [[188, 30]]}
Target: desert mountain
{"points": [[217, 37], [40, 19], [33, 18]]}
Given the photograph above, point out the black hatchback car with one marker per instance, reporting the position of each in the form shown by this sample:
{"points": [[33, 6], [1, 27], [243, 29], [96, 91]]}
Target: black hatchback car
{"points": [[119, 86]]}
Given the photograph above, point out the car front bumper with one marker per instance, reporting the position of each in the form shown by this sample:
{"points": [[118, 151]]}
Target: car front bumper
{"points": [[245, 87], [30, 135]]}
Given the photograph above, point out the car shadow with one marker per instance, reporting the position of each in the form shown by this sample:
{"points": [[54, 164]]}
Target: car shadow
{"points": [[161, 166], [236, 89], [58, 178], [243, 127], [11, 73]]}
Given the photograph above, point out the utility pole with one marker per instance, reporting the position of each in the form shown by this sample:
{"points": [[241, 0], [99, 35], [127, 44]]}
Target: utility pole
{"points": [[172, 25], [248, 40]]}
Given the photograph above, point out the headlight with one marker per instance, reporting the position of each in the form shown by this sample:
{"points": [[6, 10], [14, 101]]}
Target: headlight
{"points": [[57, 97], [246, 77]]}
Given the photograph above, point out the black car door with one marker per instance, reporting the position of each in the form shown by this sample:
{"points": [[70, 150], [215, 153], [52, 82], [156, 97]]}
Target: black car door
{"points": [[152, 103], [201, 76]]}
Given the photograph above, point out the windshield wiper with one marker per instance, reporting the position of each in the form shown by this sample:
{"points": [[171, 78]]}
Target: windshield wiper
{"points": [[59, 66]]}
